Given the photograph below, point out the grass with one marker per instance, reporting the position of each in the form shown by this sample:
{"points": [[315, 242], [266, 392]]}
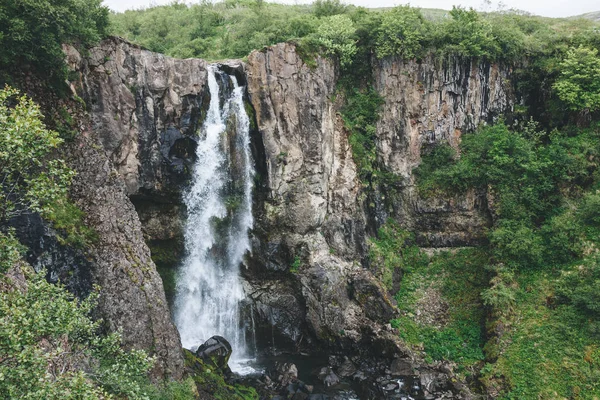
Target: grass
{"points": [[447, 287], [548, 352]]}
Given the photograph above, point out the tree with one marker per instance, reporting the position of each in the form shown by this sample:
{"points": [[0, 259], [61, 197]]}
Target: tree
{"points": [[33, 31], [468, 34], [30, 180], [336, 34], [402, 32], [578, 85]]}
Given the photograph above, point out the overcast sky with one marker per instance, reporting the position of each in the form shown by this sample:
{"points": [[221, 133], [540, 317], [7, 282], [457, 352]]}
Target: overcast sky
{"points": [[548, 8]]}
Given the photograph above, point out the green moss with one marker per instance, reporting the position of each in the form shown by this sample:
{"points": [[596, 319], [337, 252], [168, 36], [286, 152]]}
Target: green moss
{"points": [[295, 267], [392, 252], [457, 336], [211, 381], [166, 254], [251, 114]]}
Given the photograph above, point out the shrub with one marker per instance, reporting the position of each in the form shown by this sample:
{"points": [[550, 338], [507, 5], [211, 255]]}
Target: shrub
{"points": [[336, 35], [50, 348], [467, 34], [578, 84], [32, 32], [403, 32]]}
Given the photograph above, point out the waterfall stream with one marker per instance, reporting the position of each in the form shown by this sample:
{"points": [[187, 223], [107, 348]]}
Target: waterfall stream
{"points": [[219, 205]]}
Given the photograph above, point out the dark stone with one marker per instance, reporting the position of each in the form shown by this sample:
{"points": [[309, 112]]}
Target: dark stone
{"points": [[286, 373], [328, 377], [370, 295], [346, 369], [62, 263], [401, 368], [215, 351]]}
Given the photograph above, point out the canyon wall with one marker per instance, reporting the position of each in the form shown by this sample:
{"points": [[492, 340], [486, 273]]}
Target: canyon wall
{"points": [[432, 102], [308, 273]]}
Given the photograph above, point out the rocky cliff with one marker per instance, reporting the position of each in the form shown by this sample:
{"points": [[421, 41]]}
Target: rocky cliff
{"points": [[307, 274], [311, 217], [431, 102]]}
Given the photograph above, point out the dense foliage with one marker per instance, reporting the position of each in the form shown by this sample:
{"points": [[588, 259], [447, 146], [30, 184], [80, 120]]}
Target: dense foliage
{"points": [[542, 252], [31, 180], [233, 28], [32, 32], [51, 349], [34, 179]]}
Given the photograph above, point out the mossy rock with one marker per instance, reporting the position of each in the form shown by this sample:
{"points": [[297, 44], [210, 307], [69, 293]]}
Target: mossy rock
{"points": [[209, 380]]}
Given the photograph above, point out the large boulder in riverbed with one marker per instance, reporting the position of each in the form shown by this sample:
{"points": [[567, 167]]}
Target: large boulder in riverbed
{"points": [[216, 352]]}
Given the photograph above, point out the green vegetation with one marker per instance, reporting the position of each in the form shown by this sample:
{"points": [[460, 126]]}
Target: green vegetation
{"points": [[211, 381], [51, 349], [360, 114], [233, 28], [392, 252], [578, 85], [403, 31], [32, 32], [441, 311], [295, 267], [33, 178], [542, 253]]}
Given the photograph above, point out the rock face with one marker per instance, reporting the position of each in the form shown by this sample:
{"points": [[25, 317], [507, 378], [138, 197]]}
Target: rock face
{"points": [[425, 104], [311, 219], [118, 155], [145, 109], [307, 274], [132, 298]]}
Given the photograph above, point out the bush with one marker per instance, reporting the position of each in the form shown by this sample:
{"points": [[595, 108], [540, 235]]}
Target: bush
{"points": [[403, 32], [51, 349], [30, 179], [336, 34], [32, 32], [33, 178], [467, 34], [578, 84], [360, 115]]}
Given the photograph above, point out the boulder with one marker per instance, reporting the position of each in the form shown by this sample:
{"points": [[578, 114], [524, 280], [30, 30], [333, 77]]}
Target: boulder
{"points": [[216, 352]]}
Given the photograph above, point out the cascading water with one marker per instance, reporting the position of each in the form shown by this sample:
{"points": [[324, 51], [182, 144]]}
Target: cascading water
{"points": [[219, 204]]}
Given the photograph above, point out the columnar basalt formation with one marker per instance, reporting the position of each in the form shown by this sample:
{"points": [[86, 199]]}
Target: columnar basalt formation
{"points": [[312, 213], [427, 103]]}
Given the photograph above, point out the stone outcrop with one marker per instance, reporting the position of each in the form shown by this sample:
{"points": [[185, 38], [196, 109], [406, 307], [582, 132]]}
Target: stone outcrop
{"points": [[145, 109], [311, 216], [137, 101], [132, 298], [427, 103]]}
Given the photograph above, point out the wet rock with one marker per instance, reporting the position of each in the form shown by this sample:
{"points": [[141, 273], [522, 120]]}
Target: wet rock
{"points": [[215, 351], [401, 367], [328, 377], [285, 373], [432, 382], [346, 369]]}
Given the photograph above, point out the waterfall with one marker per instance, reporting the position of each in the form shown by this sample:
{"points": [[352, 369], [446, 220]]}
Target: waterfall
{"points": [[219, 206]]}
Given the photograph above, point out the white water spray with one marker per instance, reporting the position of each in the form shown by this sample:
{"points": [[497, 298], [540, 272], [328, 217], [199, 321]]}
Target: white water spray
{"points": [[219, 204]]}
